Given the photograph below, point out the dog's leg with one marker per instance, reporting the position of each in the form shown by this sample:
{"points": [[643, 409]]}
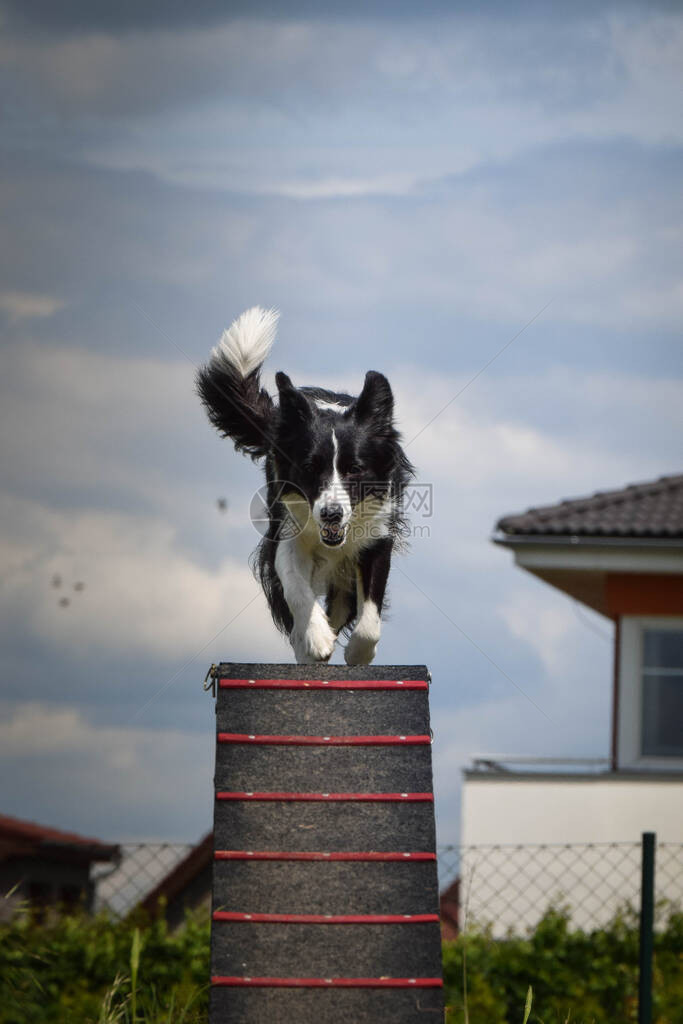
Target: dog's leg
{"points": [[373, 570], [311, 636], [341, 605]]}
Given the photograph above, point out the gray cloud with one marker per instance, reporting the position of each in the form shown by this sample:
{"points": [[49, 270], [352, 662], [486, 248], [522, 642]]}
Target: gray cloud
{"points": [[151, 594], [105, 16], [79, 15], [404, 73], [116, 782], [464, 263], [409, 194]]}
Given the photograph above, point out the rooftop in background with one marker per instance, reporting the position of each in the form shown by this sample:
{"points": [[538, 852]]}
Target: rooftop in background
{"points": [[646, 511], [514, 768], [47, 868], [26, 838], [514, 762]]}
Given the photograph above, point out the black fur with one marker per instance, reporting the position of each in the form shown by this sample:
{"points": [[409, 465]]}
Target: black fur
{"points": [[238, 407], [295, 437]]}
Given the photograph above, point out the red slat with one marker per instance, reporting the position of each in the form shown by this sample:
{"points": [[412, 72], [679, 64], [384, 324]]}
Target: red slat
{"points": [[361, 797], [322, 741], [219, 979], [316, 855], [323, 684], [229, 915]]}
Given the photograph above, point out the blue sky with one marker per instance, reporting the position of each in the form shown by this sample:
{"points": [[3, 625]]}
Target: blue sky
{"points": [[410, 191]]}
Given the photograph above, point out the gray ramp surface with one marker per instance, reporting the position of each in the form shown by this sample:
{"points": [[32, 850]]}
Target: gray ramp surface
{"points": [[324, 807]]}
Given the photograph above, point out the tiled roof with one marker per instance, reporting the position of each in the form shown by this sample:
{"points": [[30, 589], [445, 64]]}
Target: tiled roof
{"points": [[26, 837], [647, 510]]}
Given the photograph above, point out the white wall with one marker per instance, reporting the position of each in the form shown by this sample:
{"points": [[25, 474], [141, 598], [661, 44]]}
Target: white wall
{"points": [[529, 843], [577, 810]]}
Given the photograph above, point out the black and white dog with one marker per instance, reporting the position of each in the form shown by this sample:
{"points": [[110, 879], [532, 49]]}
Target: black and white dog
{"points": [[335, 474]]}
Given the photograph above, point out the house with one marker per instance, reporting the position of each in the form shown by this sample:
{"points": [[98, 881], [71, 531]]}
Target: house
{"points": [[449, 910], [619, 553], [186, 887], [47, 867]]}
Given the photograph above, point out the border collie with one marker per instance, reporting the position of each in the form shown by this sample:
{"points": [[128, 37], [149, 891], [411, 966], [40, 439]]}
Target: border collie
{"points": [[335, 475]]}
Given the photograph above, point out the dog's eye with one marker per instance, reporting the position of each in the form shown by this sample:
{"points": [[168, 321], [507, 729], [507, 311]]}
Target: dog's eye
{"points": [[354, 470]]}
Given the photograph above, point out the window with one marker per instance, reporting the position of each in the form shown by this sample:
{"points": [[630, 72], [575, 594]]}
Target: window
{"points": [[662, 693], [650, 696]]}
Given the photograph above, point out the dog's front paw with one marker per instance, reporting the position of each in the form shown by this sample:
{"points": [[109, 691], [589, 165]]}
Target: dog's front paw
{"points": [[360, 649], [315, 642], [362, 644]]}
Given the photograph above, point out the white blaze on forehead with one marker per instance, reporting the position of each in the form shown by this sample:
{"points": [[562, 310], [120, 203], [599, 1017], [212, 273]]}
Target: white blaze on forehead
{"points": [[335, 493]]}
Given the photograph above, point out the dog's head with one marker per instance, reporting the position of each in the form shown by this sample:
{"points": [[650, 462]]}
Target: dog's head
{"points": [[339, 457]]}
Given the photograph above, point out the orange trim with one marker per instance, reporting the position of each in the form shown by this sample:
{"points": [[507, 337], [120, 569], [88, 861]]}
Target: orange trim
{"points": [[630, 593]]}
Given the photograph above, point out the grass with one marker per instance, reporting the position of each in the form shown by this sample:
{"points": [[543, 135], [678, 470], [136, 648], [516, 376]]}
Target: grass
{"points": [[577, 977], [99, 970], [85, 969]]}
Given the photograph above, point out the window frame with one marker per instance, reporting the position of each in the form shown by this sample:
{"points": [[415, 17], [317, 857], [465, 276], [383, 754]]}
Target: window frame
{"points": [[630, 707]]}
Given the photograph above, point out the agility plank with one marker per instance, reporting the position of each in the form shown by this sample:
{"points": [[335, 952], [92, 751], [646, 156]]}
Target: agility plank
{"points": [[325, 896]]}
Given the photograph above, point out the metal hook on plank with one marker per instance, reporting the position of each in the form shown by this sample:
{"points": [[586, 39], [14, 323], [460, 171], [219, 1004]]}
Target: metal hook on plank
{"points": [[212, 674]]}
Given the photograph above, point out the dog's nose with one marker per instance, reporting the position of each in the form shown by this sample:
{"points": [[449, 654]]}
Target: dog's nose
{"points": [[331, 513]]}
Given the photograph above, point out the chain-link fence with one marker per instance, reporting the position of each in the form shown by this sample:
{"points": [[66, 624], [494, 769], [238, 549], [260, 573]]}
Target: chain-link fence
{"points": [[509, 888], [141, 868], [506, 887]]}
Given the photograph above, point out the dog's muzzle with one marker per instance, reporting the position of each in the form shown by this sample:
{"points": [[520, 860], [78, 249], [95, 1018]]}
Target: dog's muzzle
{"points": [[333, 534], [332, 531]]}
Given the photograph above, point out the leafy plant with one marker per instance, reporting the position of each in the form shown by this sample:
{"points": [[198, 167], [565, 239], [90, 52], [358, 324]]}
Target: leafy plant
{"points": [[100, 970], [582, 977], [134, 967]]}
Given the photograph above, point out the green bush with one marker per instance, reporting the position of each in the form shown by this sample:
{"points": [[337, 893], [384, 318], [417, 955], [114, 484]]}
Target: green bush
{"points": [[576, 976], [98, 970], [93, 970]]}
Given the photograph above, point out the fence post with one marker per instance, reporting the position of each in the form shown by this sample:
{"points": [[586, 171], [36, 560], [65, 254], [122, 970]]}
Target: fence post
{"points": [[647, 906]]}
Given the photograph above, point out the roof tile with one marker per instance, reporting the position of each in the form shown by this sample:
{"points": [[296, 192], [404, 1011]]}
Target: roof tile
{"points": [[653, 510], [16, 833]]}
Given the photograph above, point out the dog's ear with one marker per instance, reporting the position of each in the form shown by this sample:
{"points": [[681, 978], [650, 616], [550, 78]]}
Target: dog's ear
{"points": [[375, 404], [293, 404]]}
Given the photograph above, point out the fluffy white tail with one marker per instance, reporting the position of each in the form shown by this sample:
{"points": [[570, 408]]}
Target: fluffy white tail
{"points": [[247, 342]]}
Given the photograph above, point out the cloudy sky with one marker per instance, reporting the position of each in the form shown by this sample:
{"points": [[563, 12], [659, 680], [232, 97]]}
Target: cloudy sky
{"points": [[482, 202]]}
